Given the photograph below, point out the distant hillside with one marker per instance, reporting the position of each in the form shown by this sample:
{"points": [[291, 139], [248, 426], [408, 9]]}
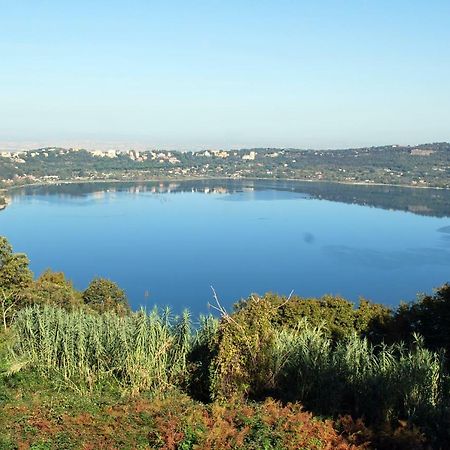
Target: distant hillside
{"points": [[426, 165]]}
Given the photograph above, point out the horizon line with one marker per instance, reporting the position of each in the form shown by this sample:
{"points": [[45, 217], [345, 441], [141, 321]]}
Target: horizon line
{"points": [[14, 146]]}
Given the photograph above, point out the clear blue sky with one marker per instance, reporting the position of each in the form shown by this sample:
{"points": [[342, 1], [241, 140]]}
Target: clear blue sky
{"points": [[230, 73]]}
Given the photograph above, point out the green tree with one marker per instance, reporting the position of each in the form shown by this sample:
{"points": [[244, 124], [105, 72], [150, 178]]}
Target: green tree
{"points": [[338, 316], [53, 288], [105, 295], [429, 316], [15, 278], [373, 321]]}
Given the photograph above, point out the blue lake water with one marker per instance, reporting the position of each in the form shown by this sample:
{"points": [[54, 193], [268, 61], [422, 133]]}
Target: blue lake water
{"points": [[168, 243]]}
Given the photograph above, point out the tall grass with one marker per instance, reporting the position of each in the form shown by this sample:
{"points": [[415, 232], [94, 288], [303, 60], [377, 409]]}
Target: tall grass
{"points": [[154, 351], [140, 351], [381, 383]]}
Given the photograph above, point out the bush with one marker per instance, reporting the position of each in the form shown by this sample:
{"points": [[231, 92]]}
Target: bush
{"points": [[180, 423], [200, 359], [337, 316], [429, 316], [382, 383], [245, 343], [54, 289], [170, 422], [104, 295]]}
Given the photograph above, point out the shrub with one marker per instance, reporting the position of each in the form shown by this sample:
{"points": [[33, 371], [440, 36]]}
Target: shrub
{"points": [[245, 347], [337, 316], [382, 383], [53, 288], [267, 425], [429, 316], [104, 295], [200, 358]]}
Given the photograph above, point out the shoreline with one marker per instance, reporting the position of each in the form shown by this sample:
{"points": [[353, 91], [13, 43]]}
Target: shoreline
{"points": [[5, 191], [165, 179]]}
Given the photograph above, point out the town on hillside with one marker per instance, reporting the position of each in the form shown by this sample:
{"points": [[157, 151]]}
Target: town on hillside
{"points": [[426, 165]]}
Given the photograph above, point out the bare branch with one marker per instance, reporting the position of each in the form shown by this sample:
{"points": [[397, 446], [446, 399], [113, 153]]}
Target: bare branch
{"points": [[287, 300]]}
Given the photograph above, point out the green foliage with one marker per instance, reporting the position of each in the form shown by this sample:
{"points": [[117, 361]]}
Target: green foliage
{"points": [[191, 439], [14, 271], [429, 316], [337, 316], [306, 364], [140, 351], [17, 288], [15, 277], [245, 342], [373, 320], [385, 165], [203, 351], [105, 295], [336, 313], [381, 383], [325, 353], [53, 288]]}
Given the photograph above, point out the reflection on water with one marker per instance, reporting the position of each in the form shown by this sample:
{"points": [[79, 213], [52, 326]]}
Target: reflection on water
{"points": [[389, 260], [427, 202]]}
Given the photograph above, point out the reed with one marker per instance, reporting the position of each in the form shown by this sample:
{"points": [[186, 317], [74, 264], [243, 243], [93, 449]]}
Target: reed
{"points": [[155, 351], [142, 351], [381, 383]]}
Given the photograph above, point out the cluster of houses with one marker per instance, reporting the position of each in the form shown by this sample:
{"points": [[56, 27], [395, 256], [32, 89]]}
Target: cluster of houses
{"points": [[135, 155]]}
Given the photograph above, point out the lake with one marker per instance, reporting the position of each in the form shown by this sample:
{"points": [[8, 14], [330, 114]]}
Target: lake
{"points": [[168, 243]]}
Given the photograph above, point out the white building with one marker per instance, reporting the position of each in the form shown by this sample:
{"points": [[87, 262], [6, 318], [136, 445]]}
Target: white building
{"points": [[250, 156]]}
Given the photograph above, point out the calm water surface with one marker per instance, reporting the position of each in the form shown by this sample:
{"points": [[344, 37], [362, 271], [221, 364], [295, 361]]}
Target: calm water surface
{"points": [[167, 244]]}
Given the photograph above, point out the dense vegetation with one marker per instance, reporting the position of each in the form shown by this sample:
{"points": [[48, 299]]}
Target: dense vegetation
{"points": [[80, 370], [424, 165]]}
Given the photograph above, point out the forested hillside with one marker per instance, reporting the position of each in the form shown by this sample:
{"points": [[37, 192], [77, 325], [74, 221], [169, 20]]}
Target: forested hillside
{"points": [[423, 165]]}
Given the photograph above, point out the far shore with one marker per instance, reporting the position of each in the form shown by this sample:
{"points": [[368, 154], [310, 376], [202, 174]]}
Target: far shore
{"points": [[166, 179]]}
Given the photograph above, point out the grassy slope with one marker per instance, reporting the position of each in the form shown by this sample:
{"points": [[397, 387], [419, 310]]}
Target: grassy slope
{"points": [[41, 413]]}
